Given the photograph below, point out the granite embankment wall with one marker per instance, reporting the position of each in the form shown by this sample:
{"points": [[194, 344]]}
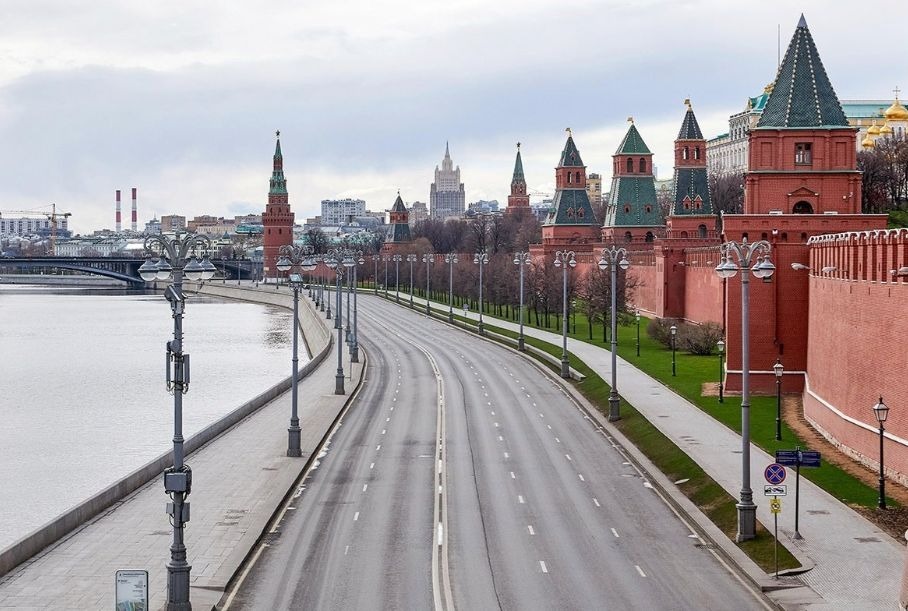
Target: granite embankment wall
{"points": [[318, 341]]}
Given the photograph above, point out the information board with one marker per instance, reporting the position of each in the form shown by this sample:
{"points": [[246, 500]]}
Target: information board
{"points": [[132, 590]]}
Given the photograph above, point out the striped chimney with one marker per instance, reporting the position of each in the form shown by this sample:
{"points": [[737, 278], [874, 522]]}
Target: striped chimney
{"points": [[118, 211], [134, 212]]}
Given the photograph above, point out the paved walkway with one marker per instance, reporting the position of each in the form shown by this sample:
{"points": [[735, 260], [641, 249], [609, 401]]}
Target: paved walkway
{"points": [[857, 566], [239, 480]]}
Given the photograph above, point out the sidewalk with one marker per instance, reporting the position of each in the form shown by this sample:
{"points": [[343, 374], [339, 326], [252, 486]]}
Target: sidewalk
{"points": [[856, 565], [239, 479]]}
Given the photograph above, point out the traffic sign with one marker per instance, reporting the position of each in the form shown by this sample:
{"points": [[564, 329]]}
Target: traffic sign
{"points": [[775, 490], [774, 473], [794, 458], [775, 505]]}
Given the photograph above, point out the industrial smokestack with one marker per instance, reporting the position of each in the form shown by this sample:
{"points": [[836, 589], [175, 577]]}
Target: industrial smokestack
{"points": [[118, 211], [134, 213]]}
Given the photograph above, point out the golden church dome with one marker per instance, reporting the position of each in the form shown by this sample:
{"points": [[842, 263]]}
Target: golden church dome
{"points": [[885, 130], [896, 112], [874, 129], [867, 142]]}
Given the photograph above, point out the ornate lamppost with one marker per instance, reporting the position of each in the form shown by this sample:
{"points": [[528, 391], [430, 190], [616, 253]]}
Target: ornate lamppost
{"points": [[451, 259], [428, 258], [411, 259], [674, 332], [521, 259], [386, 258], [339, 260], [749, 258], [397, 259], [637, 316], [720, 347], [481, 259], [375, 259], [354, 344], [778, 369], [881, 411], [299, 256], [564, 259], [174, 261], [614, 258]]}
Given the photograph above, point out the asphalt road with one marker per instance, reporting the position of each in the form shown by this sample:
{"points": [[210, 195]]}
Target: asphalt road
{"points": [[464, 477]]}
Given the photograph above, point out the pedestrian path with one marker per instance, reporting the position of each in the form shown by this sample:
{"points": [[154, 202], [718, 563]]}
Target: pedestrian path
{"points": [[856, 565], [239, 479]]}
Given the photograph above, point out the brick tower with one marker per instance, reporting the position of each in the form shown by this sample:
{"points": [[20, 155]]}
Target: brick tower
{"points": [[277, 218], [802, 180], [518, 200], [399, 228], [571, 222], [632, 214]]}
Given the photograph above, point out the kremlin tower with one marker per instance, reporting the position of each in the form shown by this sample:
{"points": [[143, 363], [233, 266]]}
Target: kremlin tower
{"points": [[398, 228], [277, 219], [571, 221], [518, 200]]}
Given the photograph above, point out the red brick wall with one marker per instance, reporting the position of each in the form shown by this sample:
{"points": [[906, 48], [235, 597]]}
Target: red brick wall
{"points": [[857, 321], [703, 288], [648, 290]]}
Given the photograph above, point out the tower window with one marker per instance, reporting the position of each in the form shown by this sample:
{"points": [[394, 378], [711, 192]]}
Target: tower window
{"points": [[630, 165], [803, 153], [569, 176], [628, 236], [697, 153], [642, 165], [684, 153]]}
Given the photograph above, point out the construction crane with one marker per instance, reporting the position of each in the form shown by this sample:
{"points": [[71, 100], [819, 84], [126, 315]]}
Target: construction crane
{"points": [[52, 216]]}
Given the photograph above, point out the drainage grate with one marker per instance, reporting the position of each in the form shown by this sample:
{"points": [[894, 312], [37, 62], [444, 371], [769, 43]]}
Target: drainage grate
{"points": [[705, 545], [866, 539], [818, 512]]}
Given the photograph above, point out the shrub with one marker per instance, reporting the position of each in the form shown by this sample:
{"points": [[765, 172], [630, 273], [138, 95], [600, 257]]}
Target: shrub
{"points": [[699, 339], [660, 330]]}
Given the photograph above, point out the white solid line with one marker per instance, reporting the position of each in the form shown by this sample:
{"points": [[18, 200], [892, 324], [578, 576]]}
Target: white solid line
{"points": [[440, 533], [513, 476], [596, 501], [365, 486], [530, 528], [439, 466], [520, 499], [615, 532], [639, 570], [543, 567], [355, 516]]}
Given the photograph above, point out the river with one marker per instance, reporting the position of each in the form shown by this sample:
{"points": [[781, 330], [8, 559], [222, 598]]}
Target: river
{"points": [[82, 394]]}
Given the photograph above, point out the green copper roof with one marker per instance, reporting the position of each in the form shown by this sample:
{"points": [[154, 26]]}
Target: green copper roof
{"points": [[802, 95], [690, 129], [570, 156], [571, 207], [691, 182], [277, 184], [277, 150], [399, 232], [633, 144], [398, 205], [629, 199], [518, 169]]}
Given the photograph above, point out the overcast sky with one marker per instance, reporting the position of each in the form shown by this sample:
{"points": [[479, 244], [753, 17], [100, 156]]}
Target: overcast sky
{"points": [[181, 99]]}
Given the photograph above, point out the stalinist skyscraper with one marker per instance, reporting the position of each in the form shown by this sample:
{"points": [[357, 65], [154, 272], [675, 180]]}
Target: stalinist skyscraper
{"points": [[446, 197]]}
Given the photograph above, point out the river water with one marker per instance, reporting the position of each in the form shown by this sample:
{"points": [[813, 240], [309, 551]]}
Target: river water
{"points": [[82, 394]]}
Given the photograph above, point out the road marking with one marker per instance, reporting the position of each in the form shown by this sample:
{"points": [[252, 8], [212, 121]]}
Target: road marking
{"points": [[557, 440], [378, 447], [365, 486], [568, 456], [439, 466], [596, 501], [520, 499], [506, 455], [541, 415], [500, 438], [639, 570], [441, 537], [543, 567], [530, 528], [513, 476], [493, 412], [346, 549], [646, 484], [496, 425], [615, 532], [388, 419], [581, 477], [550, 426], [392, 408], [372, 466], [383, 431], [356, 516]]}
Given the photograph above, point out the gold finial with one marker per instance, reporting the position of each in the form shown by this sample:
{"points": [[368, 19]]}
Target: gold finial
{"points": [[518, 146], [687, 103], [569, 132], [896, 91], [630, 120], [278, 133]]}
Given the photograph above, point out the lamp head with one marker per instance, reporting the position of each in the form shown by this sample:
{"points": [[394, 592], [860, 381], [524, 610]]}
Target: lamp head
{"points": [[720, 346], [164, 269], [148, 270], [194, 270], [881, 411], [283, 264], [208, 268], [674, 329], [778, 369]]}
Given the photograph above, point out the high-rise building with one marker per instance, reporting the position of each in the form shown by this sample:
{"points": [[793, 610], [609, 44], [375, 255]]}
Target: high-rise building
{"points": [[173, 222], [594, 188], [418, 213], [446, 196], [337, 212], [277, 219]]}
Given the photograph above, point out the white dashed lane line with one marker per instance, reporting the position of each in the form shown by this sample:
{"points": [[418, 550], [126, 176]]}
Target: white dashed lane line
{"points": [[520, 499], [530, 528], [596, 502], [615, 532], [639, 570], [545, 569]]}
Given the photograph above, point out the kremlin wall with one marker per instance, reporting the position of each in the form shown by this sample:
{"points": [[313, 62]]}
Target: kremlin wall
{"points": [[836, 302]]}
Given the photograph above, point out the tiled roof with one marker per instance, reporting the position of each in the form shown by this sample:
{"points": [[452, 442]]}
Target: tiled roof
{"points": [[633, 143], [571, 207], [399, 232], [398, 205], [518, 170], [802, 95], [691, 182], [633, 193], [690, 129], [570, 156]]}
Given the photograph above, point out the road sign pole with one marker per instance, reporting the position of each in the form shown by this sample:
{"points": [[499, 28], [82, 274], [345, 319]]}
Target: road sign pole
{"points": [[797, 534], [775, 519]]}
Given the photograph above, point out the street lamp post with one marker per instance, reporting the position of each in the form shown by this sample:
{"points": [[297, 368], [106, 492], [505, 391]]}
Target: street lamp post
{"points": [[564, 259], [175, 260], [328, 298], [349, 292], [411, 259], [749, 258], [881, 411], [386, 258], [451, 259], [613, 258], [778, 370], [428, 258], [481, 259], [720, 347], [674, 330], [397, 259], [637, 316], [354, 344], [301, 257], [375, 259], [339, 260], [521, 259]]}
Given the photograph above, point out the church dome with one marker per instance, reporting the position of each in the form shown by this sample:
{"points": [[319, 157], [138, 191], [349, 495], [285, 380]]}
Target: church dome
{"points": [[885, 130], [867, 142], [874, 129], [896, 112]]}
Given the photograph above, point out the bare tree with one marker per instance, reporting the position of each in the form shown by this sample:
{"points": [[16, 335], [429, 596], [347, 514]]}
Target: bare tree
{"points": [[318, 240], [727, 193]]}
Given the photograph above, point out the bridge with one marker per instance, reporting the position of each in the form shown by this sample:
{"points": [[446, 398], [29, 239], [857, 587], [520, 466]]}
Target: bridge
{"points": [[124, 269]]}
